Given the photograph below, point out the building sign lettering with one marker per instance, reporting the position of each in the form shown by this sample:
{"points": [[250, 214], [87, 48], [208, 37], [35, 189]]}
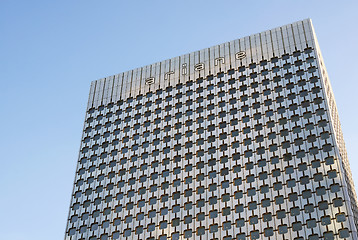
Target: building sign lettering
{"points": [[197, 67]]}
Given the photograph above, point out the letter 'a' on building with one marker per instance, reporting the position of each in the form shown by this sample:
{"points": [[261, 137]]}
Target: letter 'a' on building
{"points": [[237, 141]]}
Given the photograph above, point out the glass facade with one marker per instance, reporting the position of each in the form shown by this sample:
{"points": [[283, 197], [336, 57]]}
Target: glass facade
{"points": [[237, 141]]}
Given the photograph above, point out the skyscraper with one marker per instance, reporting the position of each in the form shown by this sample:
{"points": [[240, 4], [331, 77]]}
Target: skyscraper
{"points": [[237, 141]]}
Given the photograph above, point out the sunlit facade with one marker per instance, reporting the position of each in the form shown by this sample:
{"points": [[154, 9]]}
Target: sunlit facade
{"points": [[237, 141]]}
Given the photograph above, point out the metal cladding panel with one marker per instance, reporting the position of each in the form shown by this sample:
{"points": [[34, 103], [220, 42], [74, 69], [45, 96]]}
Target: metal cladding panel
{"points": [[192, 65], [299, 38], [245, 61], [166, 70], [266, 45], [248, 49], [286, 41], [117, 87], [137, 73], [290, 37], [109, 90], [159, 81], [99, 92], [91, 95], [256, 47], [212, 56], [126, 84], [221, 57], [146, 75], [106, 87], [281, 42], [184, 67], [204, 58], [197, 65], [237, 141], [234, 48], [176, 72]]}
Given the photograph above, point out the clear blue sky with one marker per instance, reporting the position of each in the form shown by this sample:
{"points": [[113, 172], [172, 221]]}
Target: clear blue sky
{"points": [[51, 50]]}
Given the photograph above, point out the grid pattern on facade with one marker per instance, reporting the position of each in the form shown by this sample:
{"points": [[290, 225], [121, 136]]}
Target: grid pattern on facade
{"points": [[247, 153], [346, 171]]}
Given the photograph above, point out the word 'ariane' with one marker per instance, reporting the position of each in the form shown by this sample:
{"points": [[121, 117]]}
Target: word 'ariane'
{"points": [[197, 67]]}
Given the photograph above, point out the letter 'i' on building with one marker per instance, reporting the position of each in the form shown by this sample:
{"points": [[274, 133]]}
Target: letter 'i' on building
{"points": [[245, 144]]}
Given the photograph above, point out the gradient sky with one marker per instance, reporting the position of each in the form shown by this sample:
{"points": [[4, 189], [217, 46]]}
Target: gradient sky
{"points": [[50, 51]]}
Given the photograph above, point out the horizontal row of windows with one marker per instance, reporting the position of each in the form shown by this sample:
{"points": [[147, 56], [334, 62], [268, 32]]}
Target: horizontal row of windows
{"points": [[252, 191], [233, 103], [212, 200], [213, 228], [209, 162], [200, 231], [210, 117], [226, 225], [245, 132], [317, 177], [220, 124], [212, 214], [272, 148]]}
